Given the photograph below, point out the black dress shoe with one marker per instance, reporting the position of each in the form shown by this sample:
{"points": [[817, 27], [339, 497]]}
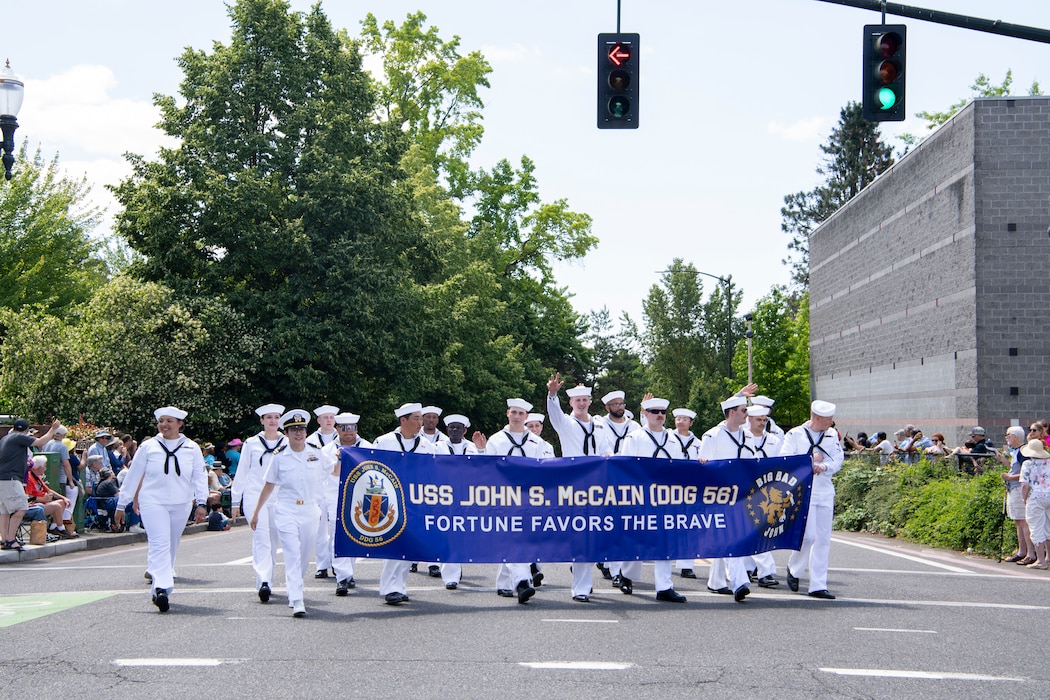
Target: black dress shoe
{"points": [[321, 573], [724, 590], [741, 593], [404, 597], [393, 599], [434, 571], [687, 573], [451, 586], [626, 585], [351, 583], [537, 579], [768, 582], [414, 568], [821, 594], [160, 599], [606, 574], [505, 593], [616, 581], [264, 592], [752, 575], [525, 591], [670, 596], [792, 581], [581, 598], [341, 588]]}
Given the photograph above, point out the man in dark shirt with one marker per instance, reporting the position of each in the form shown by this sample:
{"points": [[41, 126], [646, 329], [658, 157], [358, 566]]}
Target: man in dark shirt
{"points": [[14, 457]]}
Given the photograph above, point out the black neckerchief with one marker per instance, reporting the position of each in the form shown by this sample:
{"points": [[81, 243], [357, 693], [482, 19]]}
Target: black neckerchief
{"points": [[415, 445], [171, 455], [587, 437], [267, 448], [660, 446], [740, 446]]}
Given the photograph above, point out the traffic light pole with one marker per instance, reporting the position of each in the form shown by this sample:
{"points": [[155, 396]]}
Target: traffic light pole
{"points": [[991, 26]]}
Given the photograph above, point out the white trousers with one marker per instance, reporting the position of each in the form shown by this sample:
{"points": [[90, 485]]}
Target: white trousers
{"points": [[297, 528], [164, 525], [451, 573], [816, 547], [72, 493], [582, 578], [324, 545], [264, 539], [684, 564], [342, 566], [661, 573], [764, 562], [394, 577], [729, 573]]}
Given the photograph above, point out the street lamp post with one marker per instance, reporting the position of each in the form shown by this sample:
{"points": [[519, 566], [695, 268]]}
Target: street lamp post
{"points": [[749, 335], [11, 92]]}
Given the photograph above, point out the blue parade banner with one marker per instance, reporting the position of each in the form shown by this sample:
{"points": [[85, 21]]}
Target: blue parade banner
{"points": [[493, 509]]}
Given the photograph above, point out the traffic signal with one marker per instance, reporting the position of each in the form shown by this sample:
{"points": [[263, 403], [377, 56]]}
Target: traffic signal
{"points": [[884, 72], [618, 62]]}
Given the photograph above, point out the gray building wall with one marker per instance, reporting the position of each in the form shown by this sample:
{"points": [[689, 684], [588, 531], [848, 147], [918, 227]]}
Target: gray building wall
{"points": [[918, 289]]}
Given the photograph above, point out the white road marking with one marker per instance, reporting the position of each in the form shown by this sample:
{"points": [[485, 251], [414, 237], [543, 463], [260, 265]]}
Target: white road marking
{"points": [[901, 555], [239, 562], [167, 662], [577, 665], [890, 629], [926, 675], [599, 622]]}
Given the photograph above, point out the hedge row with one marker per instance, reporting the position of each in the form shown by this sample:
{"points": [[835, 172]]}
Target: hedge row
{"points": [[927, 502]]}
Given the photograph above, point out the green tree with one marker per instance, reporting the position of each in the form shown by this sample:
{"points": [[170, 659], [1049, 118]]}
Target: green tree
{"points": [[780, 354], [615, 363], [854, 156], [46, 256], [133, 347], [982, 87]]}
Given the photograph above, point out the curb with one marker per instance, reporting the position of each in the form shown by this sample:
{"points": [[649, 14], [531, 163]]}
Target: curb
{"points": [[91, 541]]}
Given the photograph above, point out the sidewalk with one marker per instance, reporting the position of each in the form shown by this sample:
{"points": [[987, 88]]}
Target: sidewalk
{"points": [[89, 540]]}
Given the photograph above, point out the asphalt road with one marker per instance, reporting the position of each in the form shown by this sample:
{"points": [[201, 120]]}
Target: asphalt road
{"points": [[908, 623]]}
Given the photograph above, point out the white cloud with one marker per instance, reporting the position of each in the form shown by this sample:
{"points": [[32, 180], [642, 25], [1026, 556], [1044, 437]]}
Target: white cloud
{"points": [[509, 54], [809, 129]]}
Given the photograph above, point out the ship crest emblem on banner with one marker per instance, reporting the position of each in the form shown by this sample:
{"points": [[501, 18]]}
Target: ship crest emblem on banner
{"points": [[773, 502], [373, 505]]}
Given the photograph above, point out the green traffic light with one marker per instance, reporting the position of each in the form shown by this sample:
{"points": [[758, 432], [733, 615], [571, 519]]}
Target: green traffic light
{"points": [[887, 98]]}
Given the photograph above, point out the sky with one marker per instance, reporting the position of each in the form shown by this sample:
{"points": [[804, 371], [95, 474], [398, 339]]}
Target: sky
{"points": [[736, 98]]}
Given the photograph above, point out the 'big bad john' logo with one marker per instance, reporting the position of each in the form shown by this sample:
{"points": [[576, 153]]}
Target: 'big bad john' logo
{"points": [[373, 505], [773, 502]]}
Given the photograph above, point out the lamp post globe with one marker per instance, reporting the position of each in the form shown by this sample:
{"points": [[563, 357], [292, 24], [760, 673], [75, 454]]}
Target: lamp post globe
{"points": [[12, 89]]}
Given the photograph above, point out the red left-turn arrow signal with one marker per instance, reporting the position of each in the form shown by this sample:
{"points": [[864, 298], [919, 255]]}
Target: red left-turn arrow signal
{"points": [[619, 54]]}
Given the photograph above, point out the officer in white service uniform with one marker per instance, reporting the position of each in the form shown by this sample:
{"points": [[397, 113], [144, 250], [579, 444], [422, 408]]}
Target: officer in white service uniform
{"points": [[324, 435], [580, 436], [766, 445], [256, 454], [729, 440], [407, 437], [170, 473], [655, 442], [300, 470], [690, 445], [346, 428], [515, 440], [818, 439]]}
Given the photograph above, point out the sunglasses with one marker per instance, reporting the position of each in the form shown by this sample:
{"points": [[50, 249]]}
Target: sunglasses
{"points": [[659, 411], [346, 427]]}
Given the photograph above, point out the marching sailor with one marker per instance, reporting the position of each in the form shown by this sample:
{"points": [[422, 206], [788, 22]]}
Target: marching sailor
{"points": [[324, 435], [346, 427]]}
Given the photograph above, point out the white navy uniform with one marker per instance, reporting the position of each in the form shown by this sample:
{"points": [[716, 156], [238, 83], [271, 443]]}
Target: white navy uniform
{"points": [[256, 455], [645, 443], [342, 566], [452, 572], [508, 444], [690, 445], [301, 476], [816, 543], [437, 437], [173, 477], [765, 445], [579, 439], [325, 527], [720, 443], [618, 432], [394, 577]]}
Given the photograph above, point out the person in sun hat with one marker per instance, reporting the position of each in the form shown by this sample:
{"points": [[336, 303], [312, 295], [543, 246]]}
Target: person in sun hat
{"points": [[170, 475], [817, 438], [1035, 489]]}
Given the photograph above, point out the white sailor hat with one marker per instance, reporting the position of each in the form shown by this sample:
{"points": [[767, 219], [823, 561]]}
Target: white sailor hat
{"points": [[347, 419], [457, 418], [628, 414], [758, 410], [733, 402], [763, 401], [655, 403], [176, 413], [824, 409], [295, 418], [325, 410], [535, 418], [519, 403], [430, 409], [269, 408], [580, 390], [612, 396], [679, 412], [407, 409]]}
